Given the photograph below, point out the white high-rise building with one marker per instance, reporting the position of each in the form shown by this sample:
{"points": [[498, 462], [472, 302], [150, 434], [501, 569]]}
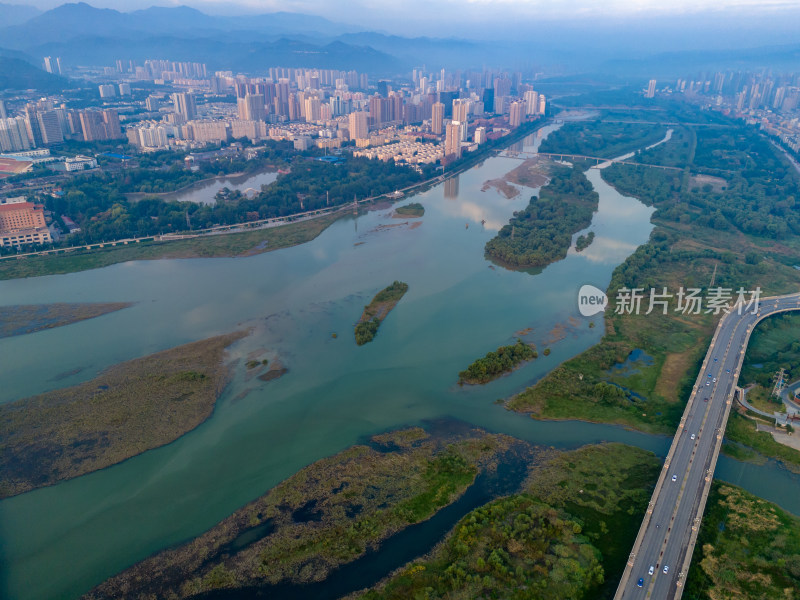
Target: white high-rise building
{"points": [[531, 102], [452, 140], [52, 65], [515, 113], [651, 89], [359, 129]]}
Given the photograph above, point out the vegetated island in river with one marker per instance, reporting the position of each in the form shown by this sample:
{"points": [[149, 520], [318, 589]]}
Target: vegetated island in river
{"points": [[584, 241], [415, 209], [127, 409], [326, 515], [377, 310], [542, 233], [494, 364], [28, 318]]}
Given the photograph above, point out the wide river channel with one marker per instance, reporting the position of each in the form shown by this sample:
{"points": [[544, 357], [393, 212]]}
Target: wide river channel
{"points": [[58, 542]]}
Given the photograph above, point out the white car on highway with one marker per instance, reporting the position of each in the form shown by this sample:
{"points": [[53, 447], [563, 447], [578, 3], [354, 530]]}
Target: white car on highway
{"points": [[674, 478]]}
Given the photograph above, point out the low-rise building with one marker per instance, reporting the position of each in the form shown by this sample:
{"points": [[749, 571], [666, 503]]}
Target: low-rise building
{"points": [[22, 222]]}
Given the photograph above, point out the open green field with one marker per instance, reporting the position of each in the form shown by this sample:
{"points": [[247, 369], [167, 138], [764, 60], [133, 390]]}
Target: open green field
{"points": [[567, 534], [129, 408], [326, 515], [747, 548], [211, 246]]}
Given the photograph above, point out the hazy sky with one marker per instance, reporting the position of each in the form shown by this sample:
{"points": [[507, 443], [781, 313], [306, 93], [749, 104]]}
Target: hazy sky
{"points": [[444, 9], [470, 17]]}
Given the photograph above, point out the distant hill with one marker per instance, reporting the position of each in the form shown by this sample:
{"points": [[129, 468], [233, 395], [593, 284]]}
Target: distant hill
{"points": [[80, 33], [16, 74], [15, 14], [77, 20], [677, 63], [222, 52]]}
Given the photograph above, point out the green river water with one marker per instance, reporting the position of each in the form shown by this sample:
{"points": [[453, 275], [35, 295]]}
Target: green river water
{"points": [[58, 542]]}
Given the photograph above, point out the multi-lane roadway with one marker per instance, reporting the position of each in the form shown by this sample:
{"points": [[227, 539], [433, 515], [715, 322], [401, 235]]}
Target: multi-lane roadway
{"points": [[660, 558]]}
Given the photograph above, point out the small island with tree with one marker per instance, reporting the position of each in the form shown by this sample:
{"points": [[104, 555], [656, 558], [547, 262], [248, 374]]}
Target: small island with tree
{"points": [[415, 209], [584, 241], [503, 360], [377, 310]]}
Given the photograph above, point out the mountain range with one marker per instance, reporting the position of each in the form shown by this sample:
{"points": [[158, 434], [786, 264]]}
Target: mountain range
{"points": [[84, 35]]}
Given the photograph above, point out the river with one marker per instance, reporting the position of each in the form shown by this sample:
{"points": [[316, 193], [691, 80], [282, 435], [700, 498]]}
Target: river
{"points": [[62, 540]]}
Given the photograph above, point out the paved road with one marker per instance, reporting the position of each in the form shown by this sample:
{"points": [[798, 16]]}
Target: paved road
{"points": [[669, 530]]}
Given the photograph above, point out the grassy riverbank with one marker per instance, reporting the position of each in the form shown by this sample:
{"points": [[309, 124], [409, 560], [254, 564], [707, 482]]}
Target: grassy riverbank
{"points": [[747, 548], [550, 541], [494, 364], [28, 318], [209, 246], [758, 445], [377, 310], [126, 410], [326, 515], [700, 233]]}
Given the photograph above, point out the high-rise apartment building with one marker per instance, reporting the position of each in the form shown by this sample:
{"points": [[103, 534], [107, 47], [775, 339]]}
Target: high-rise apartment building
{"points": [[531, 98], [50, 127], [99, 125], [480, 135], [313, 109], [437, 118], [452, 141], [461, 108], [515, 112], [52, 65], [14, 135], [184, 105], [252, 108], [359, 129], [651, 89], [107, 90]]}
